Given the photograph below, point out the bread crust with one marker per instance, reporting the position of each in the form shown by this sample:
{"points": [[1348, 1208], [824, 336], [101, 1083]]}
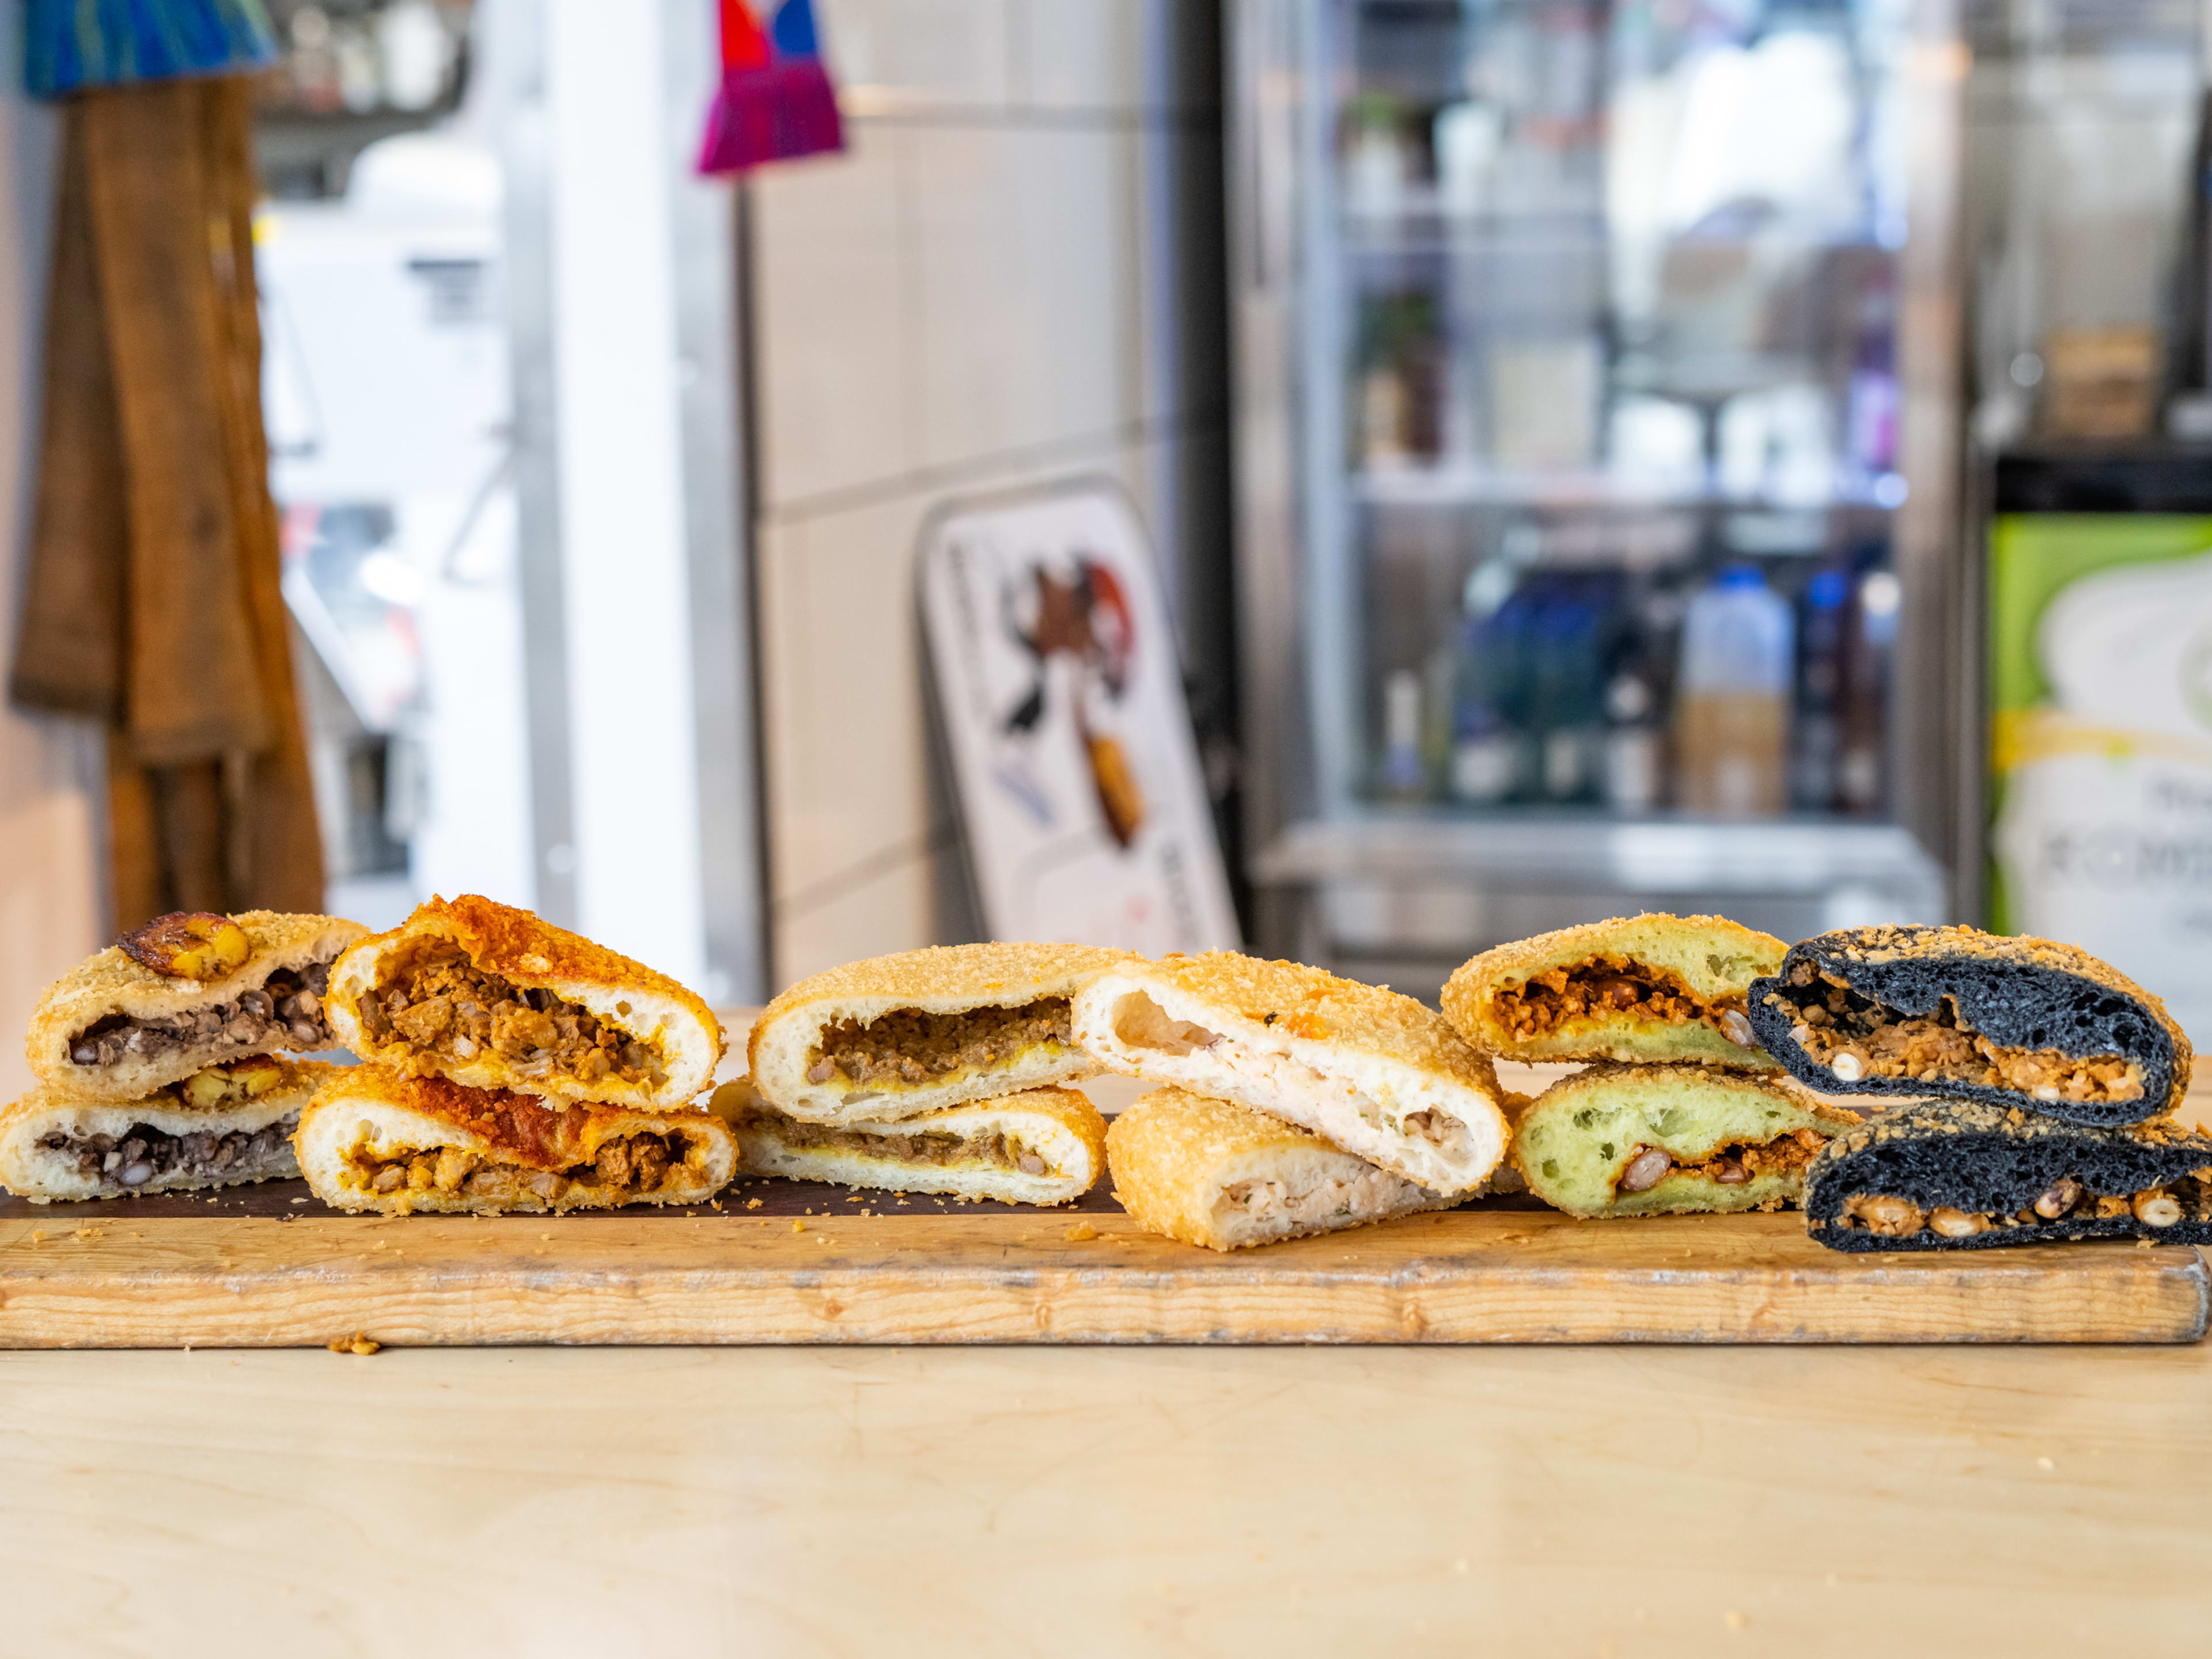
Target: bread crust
{"points": [[1176, 1156], [1714, 956], [1774, 1105], [1061, 1124], [389, 1114], [944, 979], [109, 982], [535, 955], [1358, 1065], [30, 1170]]}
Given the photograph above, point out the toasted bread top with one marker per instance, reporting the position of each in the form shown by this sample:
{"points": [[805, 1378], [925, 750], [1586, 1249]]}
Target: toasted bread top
{"points": [[1315, 1006], [1908, 943], [1713, 955], [942, 977], [519, 1128], [521, 946], [111, 981]]}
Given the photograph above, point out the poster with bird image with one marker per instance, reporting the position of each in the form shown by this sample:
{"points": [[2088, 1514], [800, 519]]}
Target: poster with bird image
{"points": [[1082, 805]]}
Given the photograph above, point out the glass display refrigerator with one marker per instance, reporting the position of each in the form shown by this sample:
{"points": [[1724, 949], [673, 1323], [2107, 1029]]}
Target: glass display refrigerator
{"points": [[1598, 466]]}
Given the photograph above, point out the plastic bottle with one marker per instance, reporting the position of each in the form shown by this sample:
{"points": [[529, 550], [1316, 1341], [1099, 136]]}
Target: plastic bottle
{"points": [[1732, 710]]}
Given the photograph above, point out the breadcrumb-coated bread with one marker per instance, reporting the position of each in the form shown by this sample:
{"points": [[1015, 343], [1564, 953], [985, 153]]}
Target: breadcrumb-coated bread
{"points": [[110, 982], [46, 1176], [534, 955], [1215, 1174], [1714, 958], [2024, 994], [787, 1040], [1994, 1163], [1060, 1127], [366, 1113], [1374, 1072], [1582, 1134]]}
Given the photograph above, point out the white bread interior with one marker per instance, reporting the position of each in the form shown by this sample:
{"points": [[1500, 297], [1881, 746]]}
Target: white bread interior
{"points": [[1359, 1097]]}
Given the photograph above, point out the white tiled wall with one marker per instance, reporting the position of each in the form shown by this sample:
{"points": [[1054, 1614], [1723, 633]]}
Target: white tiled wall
{"points": [[968, 300]]}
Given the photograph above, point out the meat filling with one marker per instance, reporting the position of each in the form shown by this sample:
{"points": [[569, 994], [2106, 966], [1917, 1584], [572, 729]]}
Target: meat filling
{"points": [[1613, 988], [909, 1048], [1856, 1037], [1271, 1206], [932, 1148], [288, 1006], [1733, 1165], [123, 1163], [638, 1166], [444, 1003], [1888, 1216]]}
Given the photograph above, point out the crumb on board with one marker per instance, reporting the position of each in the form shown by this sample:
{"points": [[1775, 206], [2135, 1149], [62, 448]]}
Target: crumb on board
{"points": [[1734, 1619], [90, 1234], [38, 1235], [359, 1343], [299, 1201], [1080, 1231], [752, 1204], [798, 1226]]}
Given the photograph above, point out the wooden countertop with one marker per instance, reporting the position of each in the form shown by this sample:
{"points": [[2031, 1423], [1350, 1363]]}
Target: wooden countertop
{"points": [[1579, 1501]]}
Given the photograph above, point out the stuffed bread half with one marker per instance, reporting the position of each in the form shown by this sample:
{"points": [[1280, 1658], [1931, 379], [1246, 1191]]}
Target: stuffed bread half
{"points": [[1625, 1140], [895, 1037], [1947, 1175], [1636, 988], [1214, 1173], [406, 1145], [1956, 1012], [493, 998], [182, 994], [1375, 1073], [1041, 1146], [228, 1126]]}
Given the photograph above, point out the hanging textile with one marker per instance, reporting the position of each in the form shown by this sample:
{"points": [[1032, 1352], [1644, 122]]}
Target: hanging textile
{"points": [[776, 101]]}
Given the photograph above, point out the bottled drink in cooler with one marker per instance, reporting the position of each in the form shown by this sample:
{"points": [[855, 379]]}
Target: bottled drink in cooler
{"points": [[1732, 714], [1816, 734], [1567, 683]]}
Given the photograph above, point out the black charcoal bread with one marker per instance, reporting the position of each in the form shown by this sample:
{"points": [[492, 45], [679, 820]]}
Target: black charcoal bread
{"points": [[1943, 1175], [1956, 1012]]}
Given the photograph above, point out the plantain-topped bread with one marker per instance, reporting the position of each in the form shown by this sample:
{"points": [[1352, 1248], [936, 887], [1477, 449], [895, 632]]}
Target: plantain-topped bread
{"points": [[1625, 1140], [1375, 1073], [1973, 1016], [1650, 988], [1947, 1175], [1214, 1173], [183, 992]]}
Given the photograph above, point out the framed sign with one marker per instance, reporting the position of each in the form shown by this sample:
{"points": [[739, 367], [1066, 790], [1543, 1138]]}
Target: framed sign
{"points": [[1082, 807]]}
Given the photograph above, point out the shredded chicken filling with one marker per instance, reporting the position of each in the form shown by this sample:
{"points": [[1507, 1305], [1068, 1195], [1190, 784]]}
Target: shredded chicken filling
{"points": [[1607, 988], [287, 1004], [639, 1165], [909, 1048], [1735, 1165], [1886, 1215], [1261, 1201], [1857, 1038], [931, 1148], [443, 1002], [143, 1153]]}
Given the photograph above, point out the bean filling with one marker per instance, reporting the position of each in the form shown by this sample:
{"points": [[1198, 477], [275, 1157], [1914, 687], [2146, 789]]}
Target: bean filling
{"points": [[1733, 1165], [1856, 1037], [287, 1006], [908, 1047], [123, 1163], [444, 1003], [638, 1166], [1613, 987], [1886, 1215]]}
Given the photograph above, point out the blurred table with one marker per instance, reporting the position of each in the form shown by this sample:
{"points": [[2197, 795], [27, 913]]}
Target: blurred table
{"points": [[1592, 1501]]}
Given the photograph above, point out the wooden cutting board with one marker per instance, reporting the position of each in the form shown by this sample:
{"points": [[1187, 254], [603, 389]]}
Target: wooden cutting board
{"points": [[786, 1262]]}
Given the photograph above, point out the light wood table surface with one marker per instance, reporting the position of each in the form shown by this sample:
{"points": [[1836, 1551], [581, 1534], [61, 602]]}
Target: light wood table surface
{"points": [[1583, 1501]]}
